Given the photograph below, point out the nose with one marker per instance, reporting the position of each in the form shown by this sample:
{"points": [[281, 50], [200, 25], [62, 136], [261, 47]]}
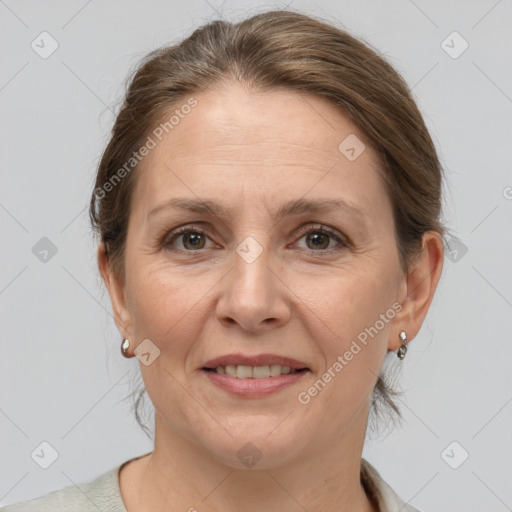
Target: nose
{"points": [[254, 295]]}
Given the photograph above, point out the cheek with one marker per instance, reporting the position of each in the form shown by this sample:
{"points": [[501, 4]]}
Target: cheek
{"points": [[351, 328], [353, 347], [351, 299], [165, 305]]}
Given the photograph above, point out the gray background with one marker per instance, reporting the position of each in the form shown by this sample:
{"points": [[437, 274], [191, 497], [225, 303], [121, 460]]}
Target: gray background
{"points": [[62, 378]]}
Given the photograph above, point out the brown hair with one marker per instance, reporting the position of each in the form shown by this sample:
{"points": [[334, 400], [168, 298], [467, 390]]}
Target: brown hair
{"points": [[280, 49]]}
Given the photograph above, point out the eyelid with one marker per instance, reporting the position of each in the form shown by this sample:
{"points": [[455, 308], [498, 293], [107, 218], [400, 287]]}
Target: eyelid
{"points": [[342, 239], [170, 235]]}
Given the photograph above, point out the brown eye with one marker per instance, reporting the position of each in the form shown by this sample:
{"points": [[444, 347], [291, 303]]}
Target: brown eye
{"points": [[193, 240], [318, 240], [185, 239]]}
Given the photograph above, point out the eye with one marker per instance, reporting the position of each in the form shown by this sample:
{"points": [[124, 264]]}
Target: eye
{"points": [[192, 239], [319, 239], [322, 238]]}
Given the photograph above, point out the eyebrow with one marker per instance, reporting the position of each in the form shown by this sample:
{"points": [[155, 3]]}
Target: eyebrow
{"points": [[294, 207]]}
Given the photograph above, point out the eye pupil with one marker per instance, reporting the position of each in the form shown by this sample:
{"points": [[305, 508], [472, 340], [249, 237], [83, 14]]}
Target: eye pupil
{"points": [[319, 237], [194, 239]]}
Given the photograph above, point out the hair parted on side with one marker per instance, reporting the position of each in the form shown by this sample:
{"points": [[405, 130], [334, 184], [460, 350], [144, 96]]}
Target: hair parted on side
{"points": [[290, 50]]}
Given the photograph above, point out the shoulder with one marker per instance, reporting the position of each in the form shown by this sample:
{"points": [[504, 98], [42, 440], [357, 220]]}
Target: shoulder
{"points": [[387, 499], [102, 493]]}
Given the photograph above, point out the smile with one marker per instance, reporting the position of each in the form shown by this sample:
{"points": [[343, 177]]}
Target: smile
{"points": [[254, 372], [255, 382]]}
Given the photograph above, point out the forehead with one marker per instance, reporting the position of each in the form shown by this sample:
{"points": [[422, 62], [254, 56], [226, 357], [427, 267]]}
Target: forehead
{"points": [[250, 122], [266, 143]]}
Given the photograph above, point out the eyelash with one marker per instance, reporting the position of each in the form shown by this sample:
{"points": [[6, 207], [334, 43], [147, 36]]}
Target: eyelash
{"points": [[343, 243]]}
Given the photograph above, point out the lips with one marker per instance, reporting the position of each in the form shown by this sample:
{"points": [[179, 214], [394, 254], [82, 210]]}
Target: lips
{"points": [[256, 360]]}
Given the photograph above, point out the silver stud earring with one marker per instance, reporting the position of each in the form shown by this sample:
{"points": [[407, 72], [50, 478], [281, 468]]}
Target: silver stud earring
{"points": [[124, 348], [403, 349]]}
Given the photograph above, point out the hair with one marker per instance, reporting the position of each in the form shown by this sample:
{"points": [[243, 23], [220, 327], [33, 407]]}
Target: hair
{"points": [[280, 50]]}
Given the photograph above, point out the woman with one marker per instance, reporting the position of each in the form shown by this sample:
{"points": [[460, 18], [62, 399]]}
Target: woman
{"points": [[268, 209]]}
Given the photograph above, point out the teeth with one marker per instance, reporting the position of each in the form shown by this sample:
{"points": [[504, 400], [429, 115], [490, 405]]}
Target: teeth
{"points": [[261, 372], [275, 370], [230, 370], [244, 372], [254, 372]]}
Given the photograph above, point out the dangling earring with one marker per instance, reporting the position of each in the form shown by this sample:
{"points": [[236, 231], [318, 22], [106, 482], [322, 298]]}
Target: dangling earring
{"points": [[124, 348], [403, 349]]}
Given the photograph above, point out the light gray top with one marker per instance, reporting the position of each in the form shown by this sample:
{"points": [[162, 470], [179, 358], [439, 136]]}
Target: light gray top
{"points": [[103, 493]]}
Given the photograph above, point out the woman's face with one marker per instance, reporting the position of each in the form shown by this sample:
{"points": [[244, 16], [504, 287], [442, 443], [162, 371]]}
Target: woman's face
{"points": [[295, 257]]}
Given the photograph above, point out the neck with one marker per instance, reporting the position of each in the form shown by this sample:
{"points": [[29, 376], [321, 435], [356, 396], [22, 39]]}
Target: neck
{"points": [[180, 475]]}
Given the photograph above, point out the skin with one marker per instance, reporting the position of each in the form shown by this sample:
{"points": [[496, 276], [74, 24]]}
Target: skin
{"points": [[251, 152]]}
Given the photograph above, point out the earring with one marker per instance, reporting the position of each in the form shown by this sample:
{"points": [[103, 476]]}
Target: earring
{"points": [[403, 349], [124, 348]]}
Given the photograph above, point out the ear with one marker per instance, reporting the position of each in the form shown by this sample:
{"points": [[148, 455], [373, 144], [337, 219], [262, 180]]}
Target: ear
{"points": [[419, 287], [116, 290]]}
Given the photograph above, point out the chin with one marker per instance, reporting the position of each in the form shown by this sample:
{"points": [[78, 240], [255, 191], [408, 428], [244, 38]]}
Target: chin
{"points": [[257, 447]]}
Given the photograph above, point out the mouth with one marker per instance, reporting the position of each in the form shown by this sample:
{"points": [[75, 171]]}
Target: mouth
{"points": [[254, 376], [257, 366], [255, 372]]}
